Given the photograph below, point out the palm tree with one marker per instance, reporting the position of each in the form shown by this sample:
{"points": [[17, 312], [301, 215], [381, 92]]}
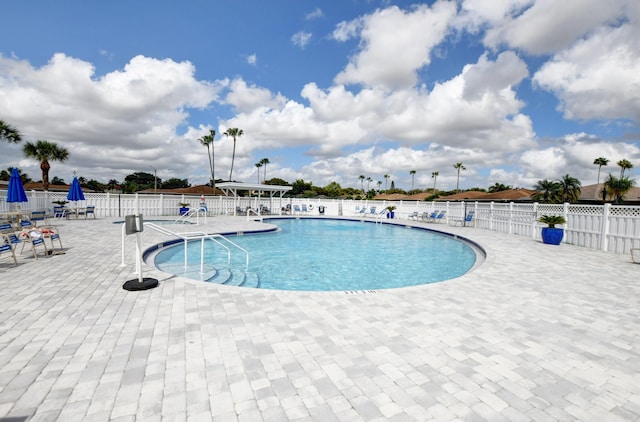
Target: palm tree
{"points": [[434, 176], [369, 180], [258, 165], [207, 140], [45, 151], [498, 187], [570, 188], [386, 179], [624, 165], [379, 184], [413, 177], [361, 177], [234, 132], [458, 166], [547, 191], [9, 133], [600, 161], [264, 162], [618, 187]]}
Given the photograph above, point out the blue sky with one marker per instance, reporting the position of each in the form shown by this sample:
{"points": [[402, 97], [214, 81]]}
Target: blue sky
{"points": [[516, 90]]}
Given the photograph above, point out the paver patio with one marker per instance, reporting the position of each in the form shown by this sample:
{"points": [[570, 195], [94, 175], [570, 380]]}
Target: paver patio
{"points": [[537, 332]]}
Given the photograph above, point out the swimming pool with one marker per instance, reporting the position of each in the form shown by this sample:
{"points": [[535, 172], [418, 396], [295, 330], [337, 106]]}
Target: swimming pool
{"points": [[327, 255]]}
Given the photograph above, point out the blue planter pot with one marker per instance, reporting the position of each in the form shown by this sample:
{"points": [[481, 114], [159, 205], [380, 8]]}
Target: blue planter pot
{"points": [[183, 211], [552, 236], [391, 214]]}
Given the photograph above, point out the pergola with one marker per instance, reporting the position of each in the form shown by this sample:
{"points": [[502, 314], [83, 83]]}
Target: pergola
{"points": [[232, 188]]}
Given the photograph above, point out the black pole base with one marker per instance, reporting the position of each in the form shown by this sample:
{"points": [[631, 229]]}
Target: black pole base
{"points": [[135, 284]]}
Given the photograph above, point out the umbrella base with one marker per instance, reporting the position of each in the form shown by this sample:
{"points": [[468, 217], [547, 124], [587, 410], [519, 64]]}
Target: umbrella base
{"points": [[135, 284]]}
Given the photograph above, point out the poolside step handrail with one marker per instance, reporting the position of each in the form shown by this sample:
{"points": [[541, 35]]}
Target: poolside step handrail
{"points": [[192, 211], [258, 216], [214, 237], [192, 236]]}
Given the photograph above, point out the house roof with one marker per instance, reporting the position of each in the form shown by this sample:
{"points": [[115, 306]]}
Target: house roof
{"points": [[191, 190], [518, 194], [594, 193]]}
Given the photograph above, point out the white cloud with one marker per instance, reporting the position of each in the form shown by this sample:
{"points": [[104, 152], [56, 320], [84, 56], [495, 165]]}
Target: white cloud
{"points": [[301, 39], [546, 26], [597, 78], [252, 59], [395, 44], [112, 124], [315, 14]]}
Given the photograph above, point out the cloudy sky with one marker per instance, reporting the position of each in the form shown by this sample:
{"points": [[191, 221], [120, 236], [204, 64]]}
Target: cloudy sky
{"points": [[516, 90]]}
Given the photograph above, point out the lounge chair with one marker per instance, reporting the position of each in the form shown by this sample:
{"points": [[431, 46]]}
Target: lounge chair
{"points": [[39, 217], [91, 209], [35, 239], [439, 217], [305, 210], [413, 216], [467, 220], [429, 217], [296, 209], [60, 212], [6, 247], [52, 233]]}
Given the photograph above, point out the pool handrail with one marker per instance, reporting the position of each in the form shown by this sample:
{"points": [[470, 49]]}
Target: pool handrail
{"points": [[191, 236], [191, 213]]}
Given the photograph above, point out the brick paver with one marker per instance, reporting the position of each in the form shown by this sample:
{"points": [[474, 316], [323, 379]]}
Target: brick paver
{"points": [[536, 332]]}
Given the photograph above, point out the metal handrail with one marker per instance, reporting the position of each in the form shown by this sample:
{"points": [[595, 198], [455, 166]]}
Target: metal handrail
{"points": [[202, 236], [190, 213]]}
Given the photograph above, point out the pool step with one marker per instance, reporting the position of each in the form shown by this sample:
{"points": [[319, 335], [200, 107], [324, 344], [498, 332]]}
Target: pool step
{"points": [[251, 280], [234, 277], [191, 271], [222, 276]]}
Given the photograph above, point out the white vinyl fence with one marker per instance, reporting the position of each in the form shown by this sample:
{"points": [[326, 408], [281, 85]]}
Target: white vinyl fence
{"points": [[614, 228]]}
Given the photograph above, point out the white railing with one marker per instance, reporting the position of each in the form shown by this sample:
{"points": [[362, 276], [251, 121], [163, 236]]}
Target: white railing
{"points": [[186, 237], [614, 228]]}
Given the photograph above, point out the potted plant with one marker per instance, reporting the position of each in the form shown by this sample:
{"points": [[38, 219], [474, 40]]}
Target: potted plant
{"points": [[60, 203], [390, 211], [184, 208], [552, 235]]}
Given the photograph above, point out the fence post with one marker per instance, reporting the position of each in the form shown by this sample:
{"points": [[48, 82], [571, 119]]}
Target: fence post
{"points": [[604, 231], [491, 216], [535, 220], [510, 217]]}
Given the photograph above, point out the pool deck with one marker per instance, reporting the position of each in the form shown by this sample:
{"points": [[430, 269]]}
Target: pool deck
{"points": [[535, 333]]}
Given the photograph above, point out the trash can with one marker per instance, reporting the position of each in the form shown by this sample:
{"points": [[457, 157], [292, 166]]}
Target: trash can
{"points": [[321, 209]]}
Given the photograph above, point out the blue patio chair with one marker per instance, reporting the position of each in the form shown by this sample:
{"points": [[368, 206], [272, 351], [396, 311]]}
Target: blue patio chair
{"points": [[6, 228], [296, 209], [39, 216], [413, 216], [439, 217], [467, 220], [52, 233], [7, 248], [90, 209], [34, 238], [428, 217], [60, 212]]}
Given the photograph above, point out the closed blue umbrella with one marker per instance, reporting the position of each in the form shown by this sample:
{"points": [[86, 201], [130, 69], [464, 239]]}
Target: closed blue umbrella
{"points": [[75, 191], [16, 190]]}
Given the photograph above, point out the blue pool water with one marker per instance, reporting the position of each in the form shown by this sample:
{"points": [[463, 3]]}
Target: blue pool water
{"points": [[324, 254]]}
